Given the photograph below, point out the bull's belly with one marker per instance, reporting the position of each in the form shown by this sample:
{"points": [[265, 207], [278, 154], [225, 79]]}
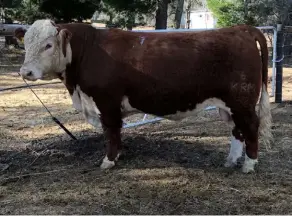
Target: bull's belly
{"points": [[91, 113], [177, 115]]}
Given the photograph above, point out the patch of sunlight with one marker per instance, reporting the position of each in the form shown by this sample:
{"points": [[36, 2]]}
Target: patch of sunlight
{"points": [[31, 132], [159, 172], [26, 98]]}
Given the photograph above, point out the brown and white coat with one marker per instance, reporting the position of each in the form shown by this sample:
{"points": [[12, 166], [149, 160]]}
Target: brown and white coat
{"points": [[111, 73]]}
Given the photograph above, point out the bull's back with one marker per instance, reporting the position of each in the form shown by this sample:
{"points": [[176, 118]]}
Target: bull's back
{"points": [[195, 58], [210, 54]]}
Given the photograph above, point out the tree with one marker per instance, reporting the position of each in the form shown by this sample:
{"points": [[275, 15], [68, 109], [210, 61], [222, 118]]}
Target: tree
{"points": [[133, 8], [10, 3], [178, 13], [67, 10], [127, 11], [270, 12], [227, 12], [252, 12], [28, 11], [8, 7], [161, 14]]}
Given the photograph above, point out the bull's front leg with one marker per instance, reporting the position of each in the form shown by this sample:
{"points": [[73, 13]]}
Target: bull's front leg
{"points": [[111, 124]]}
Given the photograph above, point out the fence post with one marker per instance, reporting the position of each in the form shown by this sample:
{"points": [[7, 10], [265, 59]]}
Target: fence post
{"points": [[279, 63]]}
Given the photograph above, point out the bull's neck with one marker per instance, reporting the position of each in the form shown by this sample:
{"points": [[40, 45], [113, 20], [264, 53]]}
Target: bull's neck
{"points": [[84, 38]]}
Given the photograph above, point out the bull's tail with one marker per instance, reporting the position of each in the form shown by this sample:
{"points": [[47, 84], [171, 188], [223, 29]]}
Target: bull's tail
{"points": [[264, 111], [265, 117]]}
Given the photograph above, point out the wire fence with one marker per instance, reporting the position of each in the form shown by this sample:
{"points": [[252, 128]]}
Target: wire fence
{"points": [[287, 47]]}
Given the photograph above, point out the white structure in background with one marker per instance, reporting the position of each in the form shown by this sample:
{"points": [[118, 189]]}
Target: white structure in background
{"points": [[199, 19]]}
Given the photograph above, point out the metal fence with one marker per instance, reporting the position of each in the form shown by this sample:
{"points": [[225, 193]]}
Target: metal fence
{"points": [[287, 47], [269, 31]]}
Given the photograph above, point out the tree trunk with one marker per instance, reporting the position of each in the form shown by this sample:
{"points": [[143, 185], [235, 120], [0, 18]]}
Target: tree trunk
{"points": [[246, 2], [188, 13], [130, 21], [178, 13], [161, 14]]}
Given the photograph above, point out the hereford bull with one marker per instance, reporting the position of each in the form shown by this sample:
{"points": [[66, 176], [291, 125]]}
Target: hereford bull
{"points": [[111, 73]]}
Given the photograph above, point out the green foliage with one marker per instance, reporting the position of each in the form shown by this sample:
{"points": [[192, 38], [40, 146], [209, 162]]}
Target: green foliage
{"points": [[227, 12], [60, 10], [9, 7], [27, 11], [230, 12], [254, 12]]}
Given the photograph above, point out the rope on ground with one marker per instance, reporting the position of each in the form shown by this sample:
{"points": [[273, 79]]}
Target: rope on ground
{"points": [[25, 86]]}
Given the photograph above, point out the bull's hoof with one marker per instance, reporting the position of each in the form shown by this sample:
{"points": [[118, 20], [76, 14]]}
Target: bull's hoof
{"points": [[107, 164], [249, 165], [246, 169]]}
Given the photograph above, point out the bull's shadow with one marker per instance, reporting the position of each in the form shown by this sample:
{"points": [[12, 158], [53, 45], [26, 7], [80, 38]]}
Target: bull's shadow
{"points": [[141, 149], [139, 152]]}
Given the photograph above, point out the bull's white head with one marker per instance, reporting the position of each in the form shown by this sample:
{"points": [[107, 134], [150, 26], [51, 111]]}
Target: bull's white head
{"points": [[48, 51]]}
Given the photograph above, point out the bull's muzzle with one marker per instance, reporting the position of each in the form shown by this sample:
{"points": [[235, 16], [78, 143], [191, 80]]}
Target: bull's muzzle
{"points": [[27, 74]]}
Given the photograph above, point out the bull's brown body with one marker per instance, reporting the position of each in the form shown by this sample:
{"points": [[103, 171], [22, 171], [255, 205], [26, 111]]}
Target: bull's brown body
{"points": [[168, 72]]}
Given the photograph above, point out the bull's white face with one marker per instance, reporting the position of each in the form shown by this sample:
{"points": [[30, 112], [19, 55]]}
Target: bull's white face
{"points": [[44, 57]]}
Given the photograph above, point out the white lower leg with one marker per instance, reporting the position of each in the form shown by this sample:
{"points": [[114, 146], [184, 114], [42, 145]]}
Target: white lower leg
{"points": [[107, 164], [249, 164], [235, 152]]}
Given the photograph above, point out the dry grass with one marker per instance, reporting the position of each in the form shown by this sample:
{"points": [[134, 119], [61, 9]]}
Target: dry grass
{"points": [[168, 168]]}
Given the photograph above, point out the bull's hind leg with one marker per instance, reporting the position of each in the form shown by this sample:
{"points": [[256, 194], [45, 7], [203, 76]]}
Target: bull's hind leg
{"points": [[247, 123], [236, 148], [237, 142]]}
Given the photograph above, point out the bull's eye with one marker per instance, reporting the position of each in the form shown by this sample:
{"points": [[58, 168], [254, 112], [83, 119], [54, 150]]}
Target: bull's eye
{"points": [[48, 46]]}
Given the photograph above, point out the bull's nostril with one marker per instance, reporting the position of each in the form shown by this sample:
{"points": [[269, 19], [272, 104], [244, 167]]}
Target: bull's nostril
{"points": [[29, 73]]}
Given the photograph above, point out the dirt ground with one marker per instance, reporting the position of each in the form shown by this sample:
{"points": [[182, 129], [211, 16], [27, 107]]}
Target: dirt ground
{"points": [[167, 167]]}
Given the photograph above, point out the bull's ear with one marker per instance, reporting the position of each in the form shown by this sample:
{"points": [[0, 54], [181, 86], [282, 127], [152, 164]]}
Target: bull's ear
{"points": [[65, 36], [19, 33]]}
